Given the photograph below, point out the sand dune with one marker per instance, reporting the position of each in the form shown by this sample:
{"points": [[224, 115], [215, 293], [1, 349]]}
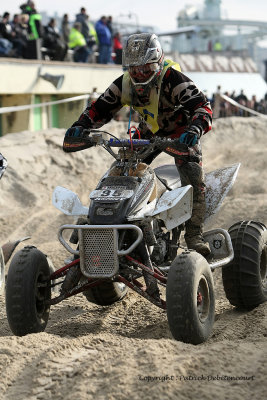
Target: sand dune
{"points": [[126, 351]]}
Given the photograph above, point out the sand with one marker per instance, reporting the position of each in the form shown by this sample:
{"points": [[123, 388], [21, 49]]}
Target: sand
{"points": [[126, 351]]}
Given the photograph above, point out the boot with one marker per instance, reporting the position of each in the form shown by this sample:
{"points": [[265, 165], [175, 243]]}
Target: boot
{"points": [[191, 173], [198, 244]]}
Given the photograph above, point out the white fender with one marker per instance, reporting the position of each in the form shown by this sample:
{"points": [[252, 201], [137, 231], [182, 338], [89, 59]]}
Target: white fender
{"points": [[218, 184], [68, 202]]}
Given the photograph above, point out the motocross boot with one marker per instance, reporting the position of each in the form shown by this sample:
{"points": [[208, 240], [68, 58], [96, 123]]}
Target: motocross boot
{"points": [[192, 173], [194, 228], [195, 241]]}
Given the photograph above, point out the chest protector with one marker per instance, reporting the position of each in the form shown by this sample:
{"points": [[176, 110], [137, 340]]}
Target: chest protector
{"points": [[149, 112]]}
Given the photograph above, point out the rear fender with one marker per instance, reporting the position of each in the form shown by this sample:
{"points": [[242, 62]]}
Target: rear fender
{"points": [[218, 184]]}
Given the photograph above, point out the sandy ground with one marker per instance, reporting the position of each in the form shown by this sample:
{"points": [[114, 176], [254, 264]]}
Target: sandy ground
{"points": [[126, 351]]}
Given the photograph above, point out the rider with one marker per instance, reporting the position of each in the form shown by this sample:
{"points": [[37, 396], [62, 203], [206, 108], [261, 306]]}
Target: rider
{"points": [[170, 105]]}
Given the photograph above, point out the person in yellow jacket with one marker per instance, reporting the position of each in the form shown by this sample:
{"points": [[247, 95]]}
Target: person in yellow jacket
{"points": [[78, 43]]}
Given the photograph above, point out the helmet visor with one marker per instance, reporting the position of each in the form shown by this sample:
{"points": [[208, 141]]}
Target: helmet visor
{"points": [[143, 73]]}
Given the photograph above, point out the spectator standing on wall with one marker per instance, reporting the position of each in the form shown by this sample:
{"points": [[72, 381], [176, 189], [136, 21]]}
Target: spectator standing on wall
{"points": [[65, 28], [77, 43], [109, 25], [117, 48], [104, 41], [82, 17], [35, 30], [92, 40]]}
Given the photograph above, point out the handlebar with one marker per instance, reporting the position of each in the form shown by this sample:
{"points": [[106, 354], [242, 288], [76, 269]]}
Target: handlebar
{"points": [[159, 142], [128, 143]]}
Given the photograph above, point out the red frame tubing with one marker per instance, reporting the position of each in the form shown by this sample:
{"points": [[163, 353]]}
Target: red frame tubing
{"points": [[134, 285], [158, 275], [75, 290], [62, 271], [138, 288]]}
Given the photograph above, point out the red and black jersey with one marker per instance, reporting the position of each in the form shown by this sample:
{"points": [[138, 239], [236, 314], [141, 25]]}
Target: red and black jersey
{"points": [[181, 105]]}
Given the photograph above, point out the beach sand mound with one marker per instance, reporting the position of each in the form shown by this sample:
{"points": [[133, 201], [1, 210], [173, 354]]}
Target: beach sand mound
{"points": [[126, 351]]}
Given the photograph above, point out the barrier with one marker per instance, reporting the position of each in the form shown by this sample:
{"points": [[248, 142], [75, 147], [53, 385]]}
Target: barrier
{"points": [[236, 104], [4, 110]]}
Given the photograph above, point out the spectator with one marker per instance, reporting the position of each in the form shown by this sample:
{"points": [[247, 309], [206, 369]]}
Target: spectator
{"points": [[217, 46], [5, 27], [35, 30], [88, 30], [5, 36], [109, 25], [117, 48], [104, 41], [243, 100], [77, 43], [217, 102], [20, 34], [225, 107], [65, 28], [82, 17], [254, 104], [57, 49], [92, 41]]}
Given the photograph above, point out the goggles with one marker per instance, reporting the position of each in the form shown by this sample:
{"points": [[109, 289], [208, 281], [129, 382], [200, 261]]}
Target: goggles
{"points": [[143, 73]]}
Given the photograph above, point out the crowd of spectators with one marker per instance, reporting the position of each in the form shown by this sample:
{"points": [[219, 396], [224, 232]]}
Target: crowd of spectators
{"points": [[222, 107], [25, 36]]}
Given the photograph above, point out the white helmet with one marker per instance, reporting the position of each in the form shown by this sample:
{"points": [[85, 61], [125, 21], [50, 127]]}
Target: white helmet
{"points": [[143, 58]]}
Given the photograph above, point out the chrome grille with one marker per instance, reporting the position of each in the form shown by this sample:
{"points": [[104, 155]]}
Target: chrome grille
{"points": [[98, 252]]}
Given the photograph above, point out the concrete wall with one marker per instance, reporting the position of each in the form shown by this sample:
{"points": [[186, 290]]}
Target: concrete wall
{"points": [[38, 118], [21, 85], [21, 76]]}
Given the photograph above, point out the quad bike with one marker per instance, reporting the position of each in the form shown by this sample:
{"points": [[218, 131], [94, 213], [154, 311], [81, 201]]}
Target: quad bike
{"points": [[8, 248], [129, 237]]}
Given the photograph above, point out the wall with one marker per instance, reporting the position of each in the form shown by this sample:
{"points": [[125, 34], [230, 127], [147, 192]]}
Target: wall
{"points": [[21, 85]]}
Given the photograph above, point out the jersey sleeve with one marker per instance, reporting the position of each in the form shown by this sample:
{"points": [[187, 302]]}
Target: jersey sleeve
{"points": [[184, 93], [102, 110]]}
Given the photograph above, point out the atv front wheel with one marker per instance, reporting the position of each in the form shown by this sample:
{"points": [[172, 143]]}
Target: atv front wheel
{"points": [[245, 278], [106, 293], [27, 292], [190, 298]]}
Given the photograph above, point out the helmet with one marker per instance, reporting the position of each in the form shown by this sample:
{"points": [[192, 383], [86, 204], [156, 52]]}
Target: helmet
{"points": [[143, 58]]}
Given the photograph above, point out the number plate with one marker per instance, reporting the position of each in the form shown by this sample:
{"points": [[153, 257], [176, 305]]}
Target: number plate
{"points": [[111, 194]]}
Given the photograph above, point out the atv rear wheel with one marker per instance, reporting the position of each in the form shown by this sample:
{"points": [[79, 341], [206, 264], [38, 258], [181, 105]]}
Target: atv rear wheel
{"points": [[245, 278], [107, 293], [27, 292], [190, 298]]}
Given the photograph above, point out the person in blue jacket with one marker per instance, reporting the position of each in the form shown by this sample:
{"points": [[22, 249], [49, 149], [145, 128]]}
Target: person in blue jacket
{"points": [[104, 41]]}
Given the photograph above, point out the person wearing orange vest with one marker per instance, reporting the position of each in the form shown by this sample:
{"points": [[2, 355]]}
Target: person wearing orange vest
{"points": [[169, 104]]}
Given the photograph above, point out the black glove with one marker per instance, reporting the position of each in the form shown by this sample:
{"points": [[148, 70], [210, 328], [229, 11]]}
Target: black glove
{"points": [[75, 139]]}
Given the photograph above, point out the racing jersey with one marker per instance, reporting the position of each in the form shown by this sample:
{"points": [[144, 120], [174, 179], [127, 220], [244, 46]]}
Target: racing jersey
{"points": [[181, 105]]}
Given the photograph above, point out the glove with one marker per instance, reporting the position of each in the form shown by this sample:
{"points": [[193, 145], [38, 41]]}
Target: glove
{"points": [[75, 131], [189, 138], [75, 139]]}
